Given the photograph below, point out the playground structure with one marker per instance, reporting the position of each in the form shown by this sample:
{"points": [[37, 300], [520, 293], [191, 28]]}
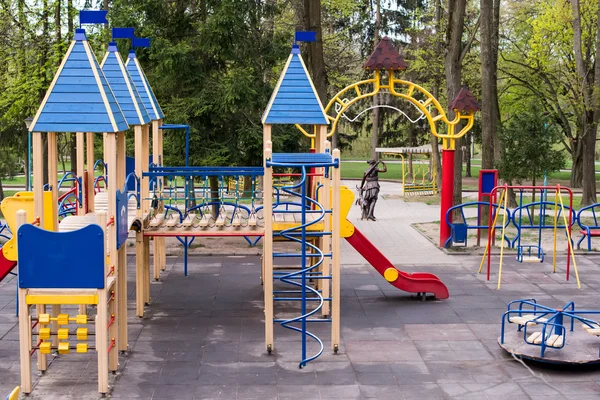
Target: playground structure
{"points": [[386, 59], [418, 179], [94, 223], [157, 201], [542, 332], [531, 252]]}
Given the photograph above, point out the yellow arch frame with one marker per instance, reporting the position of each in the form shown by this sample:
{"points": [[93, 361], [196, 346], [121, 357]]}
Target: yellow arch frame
{"points": [[402, 89]]}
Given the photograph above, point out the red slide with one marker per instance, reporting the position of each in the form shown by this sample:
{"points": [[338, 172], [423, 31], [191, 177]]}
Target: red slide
{"points": [[5, 265], [416, 282]]}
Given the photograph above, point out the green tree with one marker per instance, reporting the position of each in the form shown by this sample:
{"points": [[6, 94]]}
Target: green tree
{"points": [[529, 147]]}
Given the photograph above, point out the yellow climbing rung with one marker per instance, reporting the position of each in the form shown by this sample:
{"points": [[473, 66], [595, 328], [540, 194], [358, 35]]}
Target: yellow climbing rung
{"points": [[44, 333], [81, 319], [82, 347], [63, 333], [45, 348], [63, 347], [63, 319], [44, 319], [49, 299], [82, 333]]}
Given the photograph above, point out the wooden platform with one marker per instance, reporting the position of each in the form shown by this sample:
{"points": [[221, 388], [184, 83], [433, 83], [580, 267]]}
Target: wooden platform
{"points": [[580, 348]]}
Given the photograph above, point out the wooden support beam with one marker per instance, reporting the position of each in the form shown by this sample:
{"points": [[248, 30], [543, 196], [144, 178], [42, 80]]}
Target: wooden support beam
{"points": [[90, 170], [326, 240], [335, 259], [160, 260], [122, 252], [24, 324], [53, 182], [80, 170], [268, 240], [111, 160]]}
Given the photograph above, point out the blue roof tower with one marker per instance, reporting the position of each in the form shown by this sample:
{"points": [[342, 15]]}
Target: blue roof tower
{"points": [[79, 98], [123, 87], [141, 83], [295, 100]]}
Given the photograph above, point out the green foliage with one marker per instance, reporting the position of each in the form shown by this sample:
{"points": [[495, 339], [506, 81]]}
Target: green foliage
{"points": [[529, 151]]}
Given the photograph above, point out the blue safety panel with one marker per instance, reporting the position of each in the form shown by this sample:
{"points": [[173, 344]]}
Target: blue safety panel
{"points": [[488, 182], [294, 100], [145, 92], [302, 158], [121, 220], [117, 78], [459, 233], [75, 102], [61, 260]]}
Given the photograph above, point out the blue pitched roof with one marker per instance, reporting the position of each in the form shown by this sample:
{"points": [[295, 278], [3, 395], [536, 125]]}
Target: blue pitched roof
{"points": [[295, 100], [79, 98], [141, 82], [123, 87]]}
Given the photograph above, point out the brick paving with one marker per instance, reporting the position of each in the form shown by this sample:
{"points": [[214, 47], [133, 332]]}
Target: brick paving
{"points": [[203, 335]]}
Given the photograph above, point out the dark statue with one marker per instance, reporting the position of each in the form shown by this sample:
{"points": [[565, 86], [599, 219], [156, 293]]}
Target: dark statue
{"points": [[369, 189]]}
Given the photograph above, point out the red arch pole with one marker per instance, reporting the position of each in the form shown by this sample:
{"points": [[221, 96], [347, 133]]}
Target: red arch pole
{"points": [[447, 193]]}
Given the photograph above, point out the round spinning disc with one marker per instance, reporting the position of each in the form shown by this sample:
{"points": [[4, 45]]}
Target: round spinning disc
{"points": [[580, 348]]}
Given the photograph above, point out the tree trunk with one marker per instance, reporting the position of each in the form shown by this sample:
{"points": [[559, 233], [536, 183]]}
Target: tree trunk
{"points": [[1, 191], [73, 152], [454, 32], [376, 117], [577, 164], [435, 91], [467, 153], [214, 195], [589, 117], [489, 87], [312, 12], [70, 19]]}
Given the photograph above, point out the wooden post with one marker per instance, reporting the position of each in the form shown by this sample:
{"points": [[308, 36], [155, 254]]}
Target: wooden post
{"points": [[38, 206], [80, 171], [90, 170], [268, 240], [335, 256], [122, 252], [110, 158], [140, 282], [159, 242], [146, 206], [326, 240], [24, 323], [53, 182], [102, 319]]}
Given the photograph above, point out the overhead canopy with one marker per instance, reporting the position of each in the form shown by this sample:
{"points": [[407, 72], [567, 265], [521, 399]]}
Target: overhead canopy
{"points": [[123, 87], [141, 83], [295, 100], [79, 98]]}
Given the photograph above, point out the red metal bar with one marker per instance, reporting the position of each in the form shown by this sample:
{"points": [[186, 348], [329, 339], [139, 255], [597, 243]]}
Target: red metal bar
{"points": [[447, 193], [112, 344], [111, 220], [203, 234], [111, 271], [35, 324], [111, 321], [37, 346], [297, 174]]}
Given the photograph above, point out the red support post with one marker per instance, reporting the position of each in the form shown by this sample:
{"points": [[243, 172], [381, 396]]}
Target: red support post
{"points": [[447, 193]]}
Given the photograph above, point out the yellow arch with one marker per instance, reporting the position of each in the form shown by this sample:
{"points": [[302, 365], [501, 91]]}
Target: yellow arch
{"points": [[402, 89]]}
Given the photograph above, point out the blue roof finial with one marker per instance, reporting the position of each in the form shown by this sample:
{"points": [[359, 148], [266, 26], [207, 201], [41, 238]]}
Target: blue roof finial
{"points": [[112, 47], [131, 54], [295, 49], [79, 34]]}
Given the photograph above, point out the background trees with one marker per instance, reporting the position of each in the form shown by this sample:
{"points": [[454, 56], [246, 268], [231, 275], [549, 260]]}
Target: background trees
{"points": [[214, 63]]}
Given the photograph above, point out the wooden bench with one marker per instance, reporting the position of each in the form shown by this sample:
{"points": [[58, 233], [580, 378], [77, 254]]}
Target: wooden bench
{"points": [[528, 319], [555, 341]]}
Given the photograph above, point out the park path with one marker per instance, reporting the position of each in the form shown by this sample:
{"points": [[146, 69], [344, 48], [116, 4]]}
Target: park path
{"points": [[392, 233]]}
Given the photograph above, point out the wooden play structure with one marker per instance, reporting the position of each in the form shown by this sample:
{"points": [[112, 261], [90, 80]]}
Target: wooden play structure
{"points": [[82, 261]]}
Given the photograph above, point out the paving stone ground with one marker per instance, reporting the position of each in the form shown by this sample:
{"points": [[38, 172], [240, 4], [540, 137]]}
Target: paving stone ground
{"points": [[203, 335]]}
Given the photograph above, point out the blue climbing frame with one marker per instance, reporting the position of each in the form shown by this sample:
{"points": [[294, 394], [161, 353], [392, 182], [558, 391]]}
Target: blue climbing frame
{"points": [[310, 256]]}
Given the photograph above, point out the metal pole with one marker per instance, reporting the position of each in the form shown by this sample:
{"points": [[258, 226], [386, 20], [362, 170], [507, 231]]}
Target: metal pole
{"points": [[28, 161], [447, 193]]}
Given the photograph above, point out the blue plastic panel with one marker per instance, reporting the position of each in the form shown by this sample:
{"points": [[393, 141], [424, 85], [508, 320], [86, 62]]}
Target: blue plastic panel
{"points": [[488, 182], [121, 219], [294, 89], [61, 260], [302, 158]]}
